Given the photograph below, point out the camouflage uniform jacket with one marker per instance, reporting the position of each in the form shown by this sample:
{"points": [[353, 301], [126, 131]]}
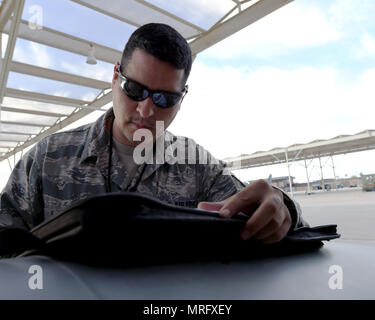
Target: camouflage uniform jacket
{"points": [[66, 167]]}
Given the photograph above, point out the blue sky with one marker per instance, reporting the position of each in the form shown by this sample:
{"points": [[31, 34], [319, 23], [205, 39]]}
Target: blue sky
{"points": [[72, 18], [326, 34], [304, 72]]}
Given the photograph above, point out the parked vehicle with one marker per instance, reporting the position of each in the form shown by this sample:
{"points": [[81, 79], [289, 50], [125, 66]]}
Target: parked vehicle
{"points": [[368, 182]]}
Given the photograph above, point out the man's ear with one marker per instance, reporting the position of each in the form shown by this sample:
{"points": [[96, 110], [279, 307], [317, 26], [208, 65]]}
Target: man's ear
{"points": [[183, 97], [115, 75]]}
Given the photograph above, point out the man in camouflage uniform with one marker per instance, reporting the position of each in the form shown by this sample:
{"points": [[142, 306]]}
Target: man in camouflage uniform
{"points": [[148, 87]]}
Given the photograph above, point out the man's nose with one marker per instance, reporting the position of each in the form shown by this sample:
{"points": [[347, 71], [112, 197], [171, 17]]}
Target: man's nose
{"points": [[146, 108]]}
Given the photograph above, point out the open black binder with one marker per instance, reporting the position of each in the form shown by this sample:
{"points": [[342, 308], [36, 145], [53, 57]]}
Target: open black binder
{"points": [[130, 228]]}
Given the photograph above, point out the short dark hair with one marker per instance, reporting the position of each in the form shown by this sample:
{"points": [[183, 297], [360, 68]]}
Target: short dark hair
{"points": [[162, 42]]}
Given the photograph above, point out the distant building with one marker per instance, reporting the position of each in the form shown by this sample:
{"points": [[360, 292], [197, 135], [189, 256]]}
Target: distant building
{"points": [[280, 182], [339, 183]]}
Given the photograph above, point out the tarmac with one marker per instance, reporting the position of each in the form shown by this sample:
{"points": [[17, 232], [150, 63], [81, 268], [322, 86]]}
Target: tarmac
{"points": [[353, 210]]}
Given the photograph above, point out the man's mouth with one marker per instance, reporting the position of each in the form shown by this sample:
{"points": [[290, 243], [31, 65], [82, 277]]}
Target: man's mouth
{"points": [[140, 125]]}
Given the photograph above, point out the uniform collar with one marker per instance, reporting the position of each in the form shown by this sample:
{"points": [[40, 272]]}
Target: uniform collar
{"points": [[97, 142], [97, 146]]}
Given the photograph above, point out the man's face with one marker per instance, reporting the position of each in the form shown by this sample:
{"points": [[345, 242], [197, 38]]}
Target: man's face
{"points": [[132, 115]]}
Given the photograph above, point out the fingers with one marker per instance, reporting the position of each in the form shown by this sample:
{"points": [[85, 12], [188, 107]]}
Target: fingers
{"points": [[269, 229], [278, 235], [269, 220], [266, 219], [211, 206], [247, 200]]}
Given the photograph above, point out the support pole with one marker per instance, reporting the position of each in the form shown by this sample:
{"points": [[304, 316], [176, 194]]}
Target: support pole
{"points": [[307, 176], [1, 50], [334, 172], [1, 68], [321, 173], [290, 179], [10, 166], [13, 33]]}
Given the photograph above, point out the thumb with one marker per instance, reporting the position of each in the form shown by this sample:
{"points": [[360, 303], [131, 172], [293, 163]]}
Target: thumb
{"points": [[211, 206]]}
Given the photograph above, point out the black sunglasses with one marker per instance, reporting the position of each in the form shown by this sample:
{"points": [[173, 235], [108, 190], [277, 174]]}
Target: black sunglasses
{"points": [[139, 92]]}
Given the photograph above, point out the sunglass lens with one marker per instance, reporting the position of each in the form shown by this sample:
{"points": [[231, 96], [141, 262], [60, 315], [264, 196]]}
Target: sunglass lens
{"points": [[145, 94], [160, 100], [166, 100], [135, 90], [172, 99]]}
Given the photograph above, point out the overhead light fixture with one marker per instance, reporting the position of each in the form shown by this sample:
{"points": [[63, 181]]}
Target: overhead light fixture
{"points": [[91, 57]]}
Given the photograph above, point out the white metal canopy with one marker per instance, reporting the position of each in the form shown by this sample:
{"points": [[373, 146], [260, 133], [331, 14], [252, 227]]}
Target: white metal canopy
{"points": [[21, 125], [342, 144]]}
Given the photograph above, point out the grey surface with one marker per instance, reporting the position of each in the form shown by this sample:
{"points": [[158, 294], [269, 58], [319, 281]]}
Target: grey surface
{"points": [[352, 210], [302, 276]]}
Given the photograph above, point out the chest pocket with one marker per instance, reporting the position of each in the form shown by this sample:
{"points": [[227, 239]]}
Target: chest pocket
{"points": [[177, 185]]}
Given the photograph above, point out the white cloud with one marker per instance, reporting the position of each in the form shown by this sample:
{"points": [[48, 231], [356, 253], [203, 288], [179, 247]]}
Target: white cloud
{"points": [[98, 71], [367, 46], [63, 93], [204, 13], [293, 26], [36, 55], [89, 96], [232, 112], [199, 9], [19, 55], [352, 14], [40, 56]]}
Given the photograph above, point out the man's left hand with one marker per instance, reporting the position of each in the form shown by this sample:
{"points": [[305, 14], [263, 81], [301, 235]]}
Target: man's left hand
{"points": [[269, 220]]}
